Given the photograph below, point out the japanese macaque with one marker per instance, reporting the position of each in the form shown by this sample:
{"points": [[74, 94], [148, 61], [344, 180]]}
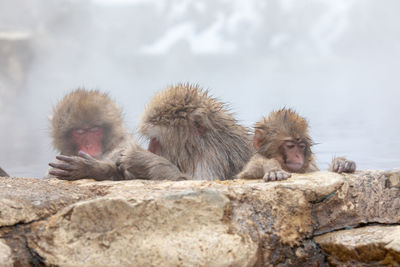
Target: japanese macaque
{"points": [[283, 147], [88, 130], [3, 173], [191, 133]]}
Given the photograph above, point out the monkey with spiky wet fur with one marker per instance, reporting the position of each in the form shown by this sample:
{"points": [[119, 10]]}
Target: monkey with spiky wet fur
{"points": [[88, 130], [3, 173], [192, 131], [283, 146]]}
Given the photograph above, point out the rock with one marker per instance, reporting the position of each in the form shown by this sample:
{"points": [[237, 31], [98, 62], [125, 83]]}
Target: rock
{"points": [[394, 178], [5, 255], [186, 228], [363, 198], [373, 245], [23, 200], [190, 223]]}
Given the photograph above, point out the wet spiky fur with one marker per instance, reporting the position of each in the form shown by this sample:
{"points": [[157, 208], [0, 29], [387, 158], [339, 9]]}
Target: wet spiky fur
{"points": [[86, 108], [279, 125], [197, 132]]}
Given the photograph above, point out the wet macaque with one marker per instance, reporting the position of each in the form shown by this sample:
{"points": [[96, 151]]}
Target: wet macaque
{"points": [[283, 147], [3, 173], [191, 134], [88, 130]]}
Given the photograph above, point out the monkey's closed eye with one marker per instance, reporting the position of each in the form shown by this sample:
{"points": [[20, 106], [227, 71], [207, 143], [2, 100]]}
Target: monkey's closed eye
{"points": [[289, 145], [94, 129], [79, 131]]}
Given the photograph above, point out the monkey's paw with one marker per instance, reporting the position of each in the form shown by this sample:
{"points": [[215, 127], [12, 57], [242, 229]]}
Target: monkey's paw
{"points": [[340, 165], [276, 176], [72, 167]]}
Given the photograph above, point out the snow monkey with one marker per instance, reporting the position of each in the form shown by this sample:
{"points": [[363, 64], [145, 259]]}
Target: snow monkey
{"points": [[192, 132], [283, 147], [87, 129]]}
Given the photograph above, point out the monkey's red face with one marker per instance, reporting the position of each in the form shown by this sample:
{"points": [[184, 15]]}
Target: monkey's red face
{"points": [[293, 153], [89, 140]]}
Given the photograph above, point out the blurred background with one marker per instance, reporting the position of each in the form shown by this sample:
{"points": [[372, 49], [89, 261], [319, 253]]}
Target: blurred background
{"points": [[336, 62]]}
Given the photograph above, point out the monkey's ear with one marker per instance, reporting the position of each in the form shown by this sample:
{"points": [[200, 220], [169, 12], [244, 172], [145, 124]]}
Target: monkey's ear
{"points": [[199, 125], [258, 139]]}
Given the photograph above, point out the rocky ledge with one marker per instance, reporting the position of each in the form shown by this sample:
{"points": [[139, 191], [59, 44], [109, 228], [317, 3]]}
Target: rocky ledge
{"points": [[318, 219]]}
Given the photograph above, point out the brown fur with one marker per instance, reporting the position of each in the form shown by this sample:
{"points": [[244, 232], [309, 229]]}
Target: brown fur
{"points": [[198, 134], [137, 163], [270, 134], [88, 108], [279, 125]]}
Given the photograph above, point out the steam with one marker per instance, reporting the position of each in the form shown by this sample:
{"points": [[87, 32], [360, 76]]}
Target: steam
{"points": [[335, 62]]}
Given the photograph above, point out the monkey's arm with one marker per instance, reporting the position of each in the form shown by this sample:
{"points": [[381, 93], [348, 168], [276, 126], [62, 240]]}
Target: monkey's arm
{"points": [[260, 167], [84, 166], [137, 163], [342, 164], [254, 169], [3, 173]]}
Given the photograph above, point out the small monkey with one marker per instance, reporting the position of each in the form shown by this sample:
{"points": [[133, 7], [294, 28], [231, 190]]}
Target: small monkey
{"points": [[190, 133], [88, 130], [283, 146]]}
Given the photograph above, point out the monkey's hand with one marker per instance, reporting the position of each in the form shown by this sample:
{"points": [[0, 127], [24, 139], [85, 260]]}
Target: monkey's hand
{"points": [[273, 171], [80, 167], [340, 165], [123, 170], [277, 175]]}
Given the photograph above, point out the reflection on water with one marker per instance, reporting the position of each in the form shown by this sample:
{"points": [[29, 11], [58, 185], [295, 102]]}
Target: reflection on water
{"points": [[336, 63]]}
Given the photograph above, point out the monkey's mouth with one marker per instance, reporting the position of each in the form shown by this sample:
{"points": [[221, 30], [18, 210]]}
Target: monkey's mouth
{"points": [[294, 166]]}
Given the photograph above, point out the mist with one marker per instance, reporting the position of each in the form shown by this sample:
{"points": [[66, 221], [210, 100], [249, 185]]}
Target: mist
{"points": [[336, 62]]}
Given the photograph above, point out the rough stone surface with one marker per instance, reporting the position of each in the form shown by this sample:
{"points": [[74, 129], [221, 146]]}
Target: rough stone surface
{"points": [[363, 198], [366, 246], [394, 178], [191, 223], [5, 254], [176, 229], [23, 200]]}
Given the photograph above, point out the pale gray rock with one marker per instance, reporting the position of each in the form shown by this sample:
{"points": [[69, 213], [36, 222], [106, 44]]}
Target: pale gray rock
{"points": [[5, 255], [365, 246], [196, 223]]}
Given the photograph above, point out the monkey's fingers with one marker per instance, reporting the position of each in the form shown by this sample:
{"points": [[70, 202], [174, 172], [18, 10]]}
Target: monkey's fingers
{"points": [[353, 167], [282, 175], [59, 173], [65, 158], [349, 166], [84, 155], [269, 176], [276, 176], [61, 166], [338, 166], [341, 167]]}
